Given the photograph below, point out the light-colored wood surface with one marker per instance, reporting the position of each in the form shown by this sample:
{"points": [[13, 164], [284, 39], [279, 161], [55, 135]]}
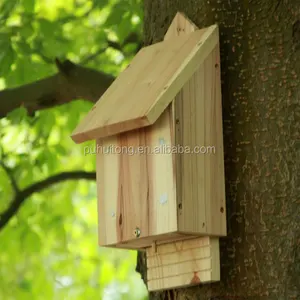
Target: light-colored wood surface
{"points": [[142, 92], [136, 189], [164, 193], [180, 25], [145, 242], [199, 124], [180, 246], [183, 263], [197, 111]]}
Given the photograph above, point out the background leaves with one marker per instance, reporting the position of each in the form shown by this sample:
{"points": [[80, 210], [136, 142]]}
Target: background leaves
{"points": [[49, 249]]}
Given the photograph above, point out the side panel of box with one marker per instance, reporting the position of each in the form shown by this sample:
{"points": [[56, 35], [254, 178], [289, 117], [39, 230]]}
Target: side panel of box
{"points": [[200, 170], [183, 263], [136, 184]]}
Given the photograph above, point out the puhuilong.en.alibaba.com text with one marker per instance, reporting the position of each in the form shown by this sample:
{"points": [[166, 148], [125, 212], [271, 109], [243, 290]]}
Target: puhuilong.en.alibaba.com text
{"points": [[161, 149]]}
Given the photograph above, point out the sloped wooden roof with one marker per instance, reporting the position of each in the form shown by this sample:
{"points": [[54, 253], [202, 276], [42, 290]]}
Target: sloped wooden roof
{"points": [[141, 93]]}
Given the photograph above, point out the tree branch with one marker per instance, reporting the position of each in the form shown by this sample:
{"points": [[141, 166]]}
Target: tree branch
{"points": [[21, 196], [10, 176], [91, 57], [133, 38], [78, 83]]}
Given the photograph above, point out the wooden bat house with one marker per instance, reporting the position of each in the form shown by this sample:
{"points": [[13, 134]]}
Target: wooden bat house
{"points": [[160, 164]]}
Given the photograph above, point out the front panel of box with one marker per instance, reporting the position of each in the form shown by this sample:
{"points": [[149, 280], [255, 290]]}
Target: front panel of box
{"points": [[136, 184]]}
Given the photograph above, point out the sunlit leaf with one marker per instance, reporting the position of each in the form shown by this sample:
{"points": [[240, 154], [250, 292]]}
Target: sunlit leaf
{"points": [[6, 7], [17, 115]]}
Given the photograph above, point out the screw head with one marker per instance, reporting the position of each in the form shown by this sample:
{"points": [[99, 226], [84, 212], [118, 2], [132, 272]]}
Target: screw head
{"points": [[137, 232]]}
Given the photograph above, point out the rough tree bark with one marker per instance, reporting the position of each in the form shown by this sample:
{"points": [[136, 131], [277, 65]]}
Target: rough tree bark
{"points": [[260, 55]]}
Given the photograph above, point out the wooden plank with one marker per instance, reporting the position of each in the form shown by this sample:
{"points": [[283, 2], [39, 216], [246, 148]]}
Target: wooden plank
{"points": [[100, 197], [161, 176], [215, 259], [181, 246], [179, 26], [107, 170], [176, 257], [219, 200], [120, 188], [202, 179], [136, 186], [132, 208], [183, 263], [202, 41], [193, 210], [148, 242], [183, 280], [197, 110], [214, 163], [179, 268], [144, 90], [189, 116]]}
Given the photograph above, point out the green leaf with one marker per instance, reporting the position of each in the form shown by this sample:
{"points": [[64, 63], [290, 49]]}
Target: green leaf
{"points": [[7, 7], [7, 55], [59, 149], [117, 14], [47, 160], [25, 285], [26, 31], [17, 115], [125, 28], [33, 241], [47, 28], [55, 231], [45, 123], [28, 5]]}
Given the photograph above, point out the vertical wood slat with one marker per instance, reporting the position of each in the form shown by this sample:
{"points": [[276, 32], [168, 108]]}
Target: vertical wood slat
{"points": [[163, 215], [203, 208], [188, 119]]}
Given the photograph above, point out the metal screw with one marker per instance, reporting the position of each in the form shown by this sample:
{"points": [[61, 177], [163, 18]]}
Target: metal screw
{"points": [[137, 232]]}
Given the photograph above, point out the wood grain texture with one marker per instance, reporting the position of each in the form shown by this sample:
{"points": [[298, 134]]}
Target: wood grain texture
{"points": [[167, 195], [197, 111], [194, 261], [136, 185], [145, 242], [199, 124], [179, 26], [142, 92], [183, 263]]}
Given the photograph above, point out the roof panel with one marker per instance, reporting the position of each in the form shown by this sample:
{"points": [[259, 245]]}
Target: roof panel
{"points": [[141, 93]]}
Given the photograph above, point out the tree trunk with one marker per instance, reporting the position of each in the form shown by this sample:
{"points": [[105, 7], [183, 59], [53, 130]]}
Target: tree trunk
{"points": [[260, 53]]}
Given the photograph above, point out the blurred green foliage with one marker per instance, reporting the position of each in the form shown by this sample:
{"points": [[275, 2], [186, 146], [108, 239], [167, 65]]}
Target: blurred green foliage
{"points": [[49, 249]]}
